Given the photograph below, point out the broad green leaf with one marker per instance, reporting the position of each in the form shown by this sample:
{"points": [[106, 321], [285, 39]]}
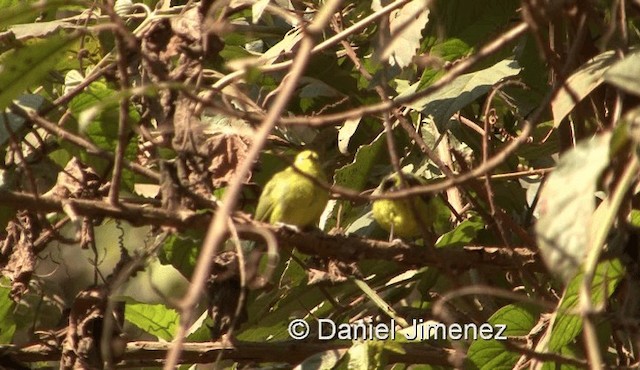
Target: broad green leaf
{"points": [[181, 251], [450, 49], [155, 319], [463, 90], [580, 84], [463, 234], [7, 322], [15, 12], [518, 320], [356, 174], [567, 204], [313, 88], [271, 323], [97, 110], [624, 73], [270, 314], [22, 68], [360, 357], [567, 325]]}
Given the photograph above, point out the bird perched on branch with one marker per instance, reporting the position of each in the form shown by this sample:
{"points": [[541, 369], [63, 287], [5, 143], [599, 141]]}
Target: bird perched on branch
{"points": [[291, 196], [404, 217]]}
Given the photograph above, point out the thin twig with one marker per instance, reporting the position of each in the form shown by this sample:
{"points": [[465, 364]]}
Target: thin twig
{"points": [[91, 148], [459, 68], [124, 41]]}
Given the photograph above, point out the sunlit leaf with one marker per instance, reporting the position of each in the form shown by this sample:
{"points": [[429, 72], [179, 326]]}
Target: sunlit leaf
{"points": [[406, 26], [181, 251], [7, 323], [463, 90], [23, 67], [463, 234], [567, 324], [624, 73], [567, 203], [491, 353], [155, 319], [345, 133], [15, 12], [580, 84]]}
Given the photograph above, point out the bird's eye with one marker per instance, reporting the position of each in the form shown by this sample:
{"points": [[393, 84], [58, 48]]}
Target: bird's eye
{"points": [[388, 184]]}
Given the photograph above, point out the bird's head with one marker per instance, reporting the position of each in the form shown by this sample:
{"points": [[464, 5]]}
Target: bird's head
{"points": [[392, 182], [307, 161]]}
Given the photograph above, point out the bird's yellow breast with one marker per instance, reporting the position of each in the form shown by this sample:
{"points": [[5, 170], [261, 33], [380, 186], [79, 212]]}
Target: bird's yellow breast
{"points": [[292, 198]]}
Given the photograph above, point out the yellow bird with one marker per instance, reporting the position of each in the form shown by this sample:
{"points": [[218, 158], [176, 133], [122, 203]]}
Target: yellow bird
{"points": [[398, 216], [292, 198]]}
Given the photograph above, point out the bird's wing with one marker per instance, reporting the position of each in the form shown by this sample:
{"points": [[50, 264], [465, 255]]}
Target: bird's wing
{"points": [[268, 198]]}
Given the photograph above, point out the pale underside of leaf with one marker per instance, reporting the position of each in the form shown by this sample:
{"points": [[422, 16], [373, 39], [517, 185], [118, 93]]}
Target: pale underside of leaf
{"points": [[624, 73], [406, 27], [579, 85], [463, 90], [567, 204]]}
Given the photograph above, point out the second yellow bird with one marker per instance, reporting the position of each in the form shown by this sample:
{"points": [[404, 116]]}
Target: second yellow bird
{"points": [[402, 217]]}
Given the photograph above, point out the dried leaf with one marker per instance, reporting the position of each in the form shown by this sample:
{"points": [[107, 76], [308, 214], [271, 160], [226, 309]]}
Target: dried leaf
{"points": [[225, 153]]}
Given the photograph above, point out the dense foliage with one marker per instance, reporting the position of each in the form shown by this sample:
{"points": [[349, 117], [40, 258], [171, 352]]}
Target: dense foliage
{"points": [[136, 139]]}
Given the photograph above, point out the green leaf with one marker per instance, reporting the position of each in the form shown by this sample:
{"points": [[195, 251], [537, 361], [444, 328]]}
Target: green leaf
{"points": [[14, 12], [567, 326], [23, 67], [518, 320], [567, 203], [634, 218], [450, 49], [155, 319], [463, 234], [460, 92], [7, 324], [97, 110], [356, 174], [181, 251], [360, 357]]}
